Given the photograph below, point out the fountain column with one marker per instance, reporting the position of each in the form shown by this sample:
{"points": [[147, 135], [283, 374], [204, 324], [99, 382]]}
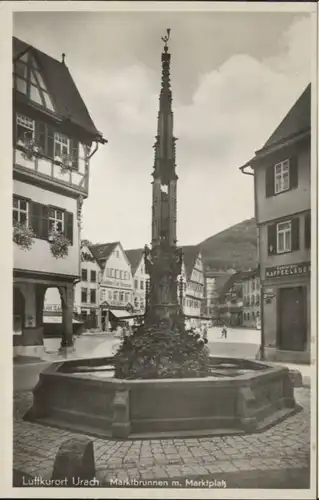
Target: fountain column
{"points": [[163, 261]]}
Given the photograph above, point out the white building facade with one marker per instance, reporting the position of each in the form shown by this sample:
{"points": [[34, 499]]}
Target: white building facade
{"points": [[251, 299], [87, 291], [140, 280], [116, 293], [193, 290]]}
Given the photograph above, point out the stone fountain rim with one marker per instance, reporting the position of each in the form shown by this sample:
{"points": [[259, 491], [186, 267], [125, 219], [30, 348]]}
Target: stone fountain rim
{"points": [[272, 372]]}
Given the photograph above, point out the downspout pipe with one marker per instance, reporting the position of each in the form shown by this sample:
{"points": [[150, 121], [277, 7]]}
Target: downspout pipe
{"points": [[242, 169], [262, 332], [97, 141]]}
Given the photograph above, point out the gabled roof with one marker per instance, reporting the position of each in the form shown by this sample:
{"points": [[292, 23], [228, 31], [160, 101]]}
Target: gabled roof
{"points": [[228, 285], [222, 281], [103, 250], [134, 256], [67, 99], [216, 274], [190, 253], [237, 278], [297, 120], [252, 273]]}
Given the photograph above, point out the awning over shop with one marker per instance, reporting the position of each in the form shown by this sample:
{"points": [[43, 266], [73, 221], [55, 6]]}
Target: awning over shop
{"points": [[120, 313], [57, 319], [204, 318]]}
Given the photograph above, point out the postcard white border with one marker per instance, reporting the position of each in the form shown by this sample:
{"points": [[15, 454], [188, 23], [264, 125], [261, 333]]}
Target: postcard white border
{"points": [[6, 264]]}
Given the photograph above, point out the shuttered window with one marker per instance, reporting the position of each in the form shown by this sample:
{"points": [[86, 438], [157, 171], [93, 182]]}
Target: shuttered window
{"points": [[308, 231], [272, 239], [20, 210], [282, 176], [68, 229], [41, 221], [284, 236], [44, 135], [295, 234]]}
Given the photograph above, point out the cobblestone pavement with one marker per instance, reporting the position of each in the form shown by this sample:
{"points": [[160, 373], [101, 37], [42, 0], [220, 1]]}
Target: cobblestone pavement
{"points": [[284, 446]]}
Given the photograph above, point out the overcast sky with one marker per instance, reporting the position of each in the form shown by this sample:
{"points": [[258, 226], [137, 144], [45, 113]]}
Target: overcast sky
{"points": [[234, 77]]}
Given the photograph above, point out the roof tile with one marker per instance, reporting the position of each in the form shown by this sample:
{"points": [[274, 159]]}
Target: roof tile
{"points": [[296, 121]]}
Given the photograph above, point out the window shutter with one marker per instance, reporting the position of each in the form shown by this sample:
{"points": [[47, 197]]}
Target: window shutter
{"points": [[308, 230], [39, 220], [270, 181], [293, 172], [50, 142], [295, 245], [69, 226], [14, 129], [74, 148], [40, 135], [272, 239]]}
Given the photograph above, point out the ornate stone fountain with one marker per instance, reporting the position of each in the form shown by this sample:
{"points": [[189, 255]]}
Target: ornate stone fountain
{"points": [[163, 381]]}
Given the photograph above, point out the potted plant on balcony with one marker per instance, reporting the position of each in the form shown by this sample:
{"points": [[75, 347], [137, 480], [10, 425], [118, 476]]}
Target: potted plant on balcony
{"points": [[59, 244], [65, 162], [29, 147], [23, 235]]}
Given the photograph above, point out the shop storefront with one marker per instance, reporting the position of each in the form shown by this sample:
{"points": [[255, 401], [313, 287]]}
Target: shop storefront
{"points": [[286, 295]]}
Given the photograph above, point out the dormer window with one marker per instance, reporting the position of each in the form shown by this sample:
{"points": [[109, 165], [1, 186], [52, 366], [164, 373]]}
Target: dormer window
{"points": [[29, 81]]}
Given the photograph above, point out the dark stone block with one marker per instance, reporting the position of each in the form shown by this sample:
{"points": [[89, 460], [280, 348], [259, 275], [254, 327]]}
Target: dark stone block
{"points": [[121, 425], [296, 378], [249, 425], [74, 462], [29, 337]]}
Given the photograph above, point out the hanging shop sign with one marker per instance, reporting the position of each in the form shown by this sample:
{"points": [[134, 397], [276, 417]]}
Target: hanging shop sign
{"points": [[300, 269]]}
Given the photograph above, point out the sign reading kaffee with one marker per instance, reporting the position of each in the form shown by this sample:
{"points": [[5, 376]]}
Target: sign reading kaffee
{"points": [[288, 270]]}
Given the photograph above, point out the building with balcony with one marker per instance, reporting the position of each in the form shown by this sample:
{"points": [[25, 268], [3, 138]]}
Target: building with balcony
{"points": [[140, 279], [53, 135], [116, 292], [281, 170]]}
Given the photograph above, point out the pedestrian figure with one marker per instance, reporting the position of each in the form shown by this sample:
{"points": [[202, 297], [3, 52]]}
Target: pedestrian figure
{"points": [[224, 332], [119, 331], [205, 334], [125, 331]]}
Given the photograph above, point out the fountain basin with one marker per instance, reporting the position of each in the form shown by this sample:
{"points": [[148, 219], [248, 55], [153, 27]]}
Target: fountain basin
{"points": [[240, 396]]}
